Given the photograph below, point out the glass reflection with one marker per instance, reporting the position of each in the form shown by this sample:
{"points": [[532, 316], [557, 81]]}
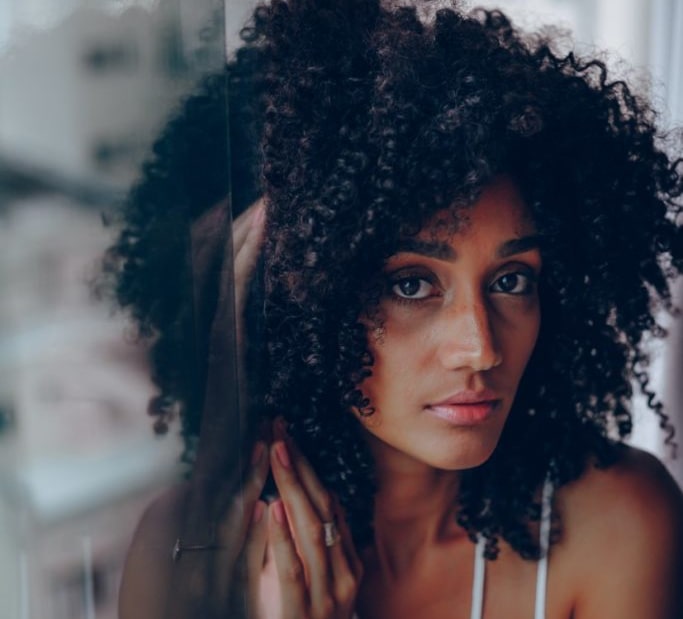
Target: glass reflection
{"points": [[90, 86]]}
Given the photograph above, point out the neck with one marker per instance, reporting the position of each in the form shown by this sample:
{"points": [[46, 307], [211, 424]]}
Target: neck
{"points": [[415, 510]]}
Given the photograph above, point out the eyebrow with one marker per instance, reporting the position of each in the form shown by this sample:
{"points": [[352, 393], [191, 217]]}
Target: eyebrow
{"points": [[444, 251], [431, 249], [519, 246]]}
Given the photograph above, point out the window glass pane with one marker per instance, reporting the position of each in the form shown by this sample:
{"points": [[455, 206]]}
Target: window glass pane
{"points": [[87, 88]]}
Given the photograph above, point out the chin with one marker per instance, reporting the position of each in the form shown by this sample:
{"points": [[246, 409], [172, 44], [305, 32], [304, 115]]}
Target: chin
{"points": [[461, 464], [466, 456]]}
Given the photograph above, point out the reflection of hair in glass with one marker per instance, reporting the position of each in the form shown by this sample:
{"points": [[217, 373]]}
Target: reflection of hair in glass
{"points": [[372, 120]]}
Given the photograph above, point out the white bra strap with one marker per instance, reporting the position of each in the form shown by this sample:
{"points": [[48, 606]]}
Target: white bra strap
{"points": [[479, 578], [544, 541]]}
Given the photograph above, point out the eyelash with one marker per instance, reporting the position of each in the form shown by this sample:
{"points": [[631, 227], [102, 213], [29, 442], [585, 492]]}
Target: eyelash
{"points": [[394, 283], [531, 280], [529, 286]]}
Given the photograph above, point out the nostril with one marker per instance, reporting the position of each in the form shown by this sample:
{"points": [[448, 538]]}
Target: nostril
{"points": [[468, 341], [494, 361]]}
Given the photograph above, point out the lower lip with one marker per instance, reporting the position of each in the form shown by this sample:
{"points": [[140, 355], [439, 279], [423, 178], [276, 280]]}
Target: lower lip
{"points": [[463, 414]]}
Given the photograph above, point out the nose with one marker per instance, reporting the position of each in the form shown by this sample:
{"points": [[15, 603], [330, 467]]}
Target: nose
{"points": [[466, 337]]}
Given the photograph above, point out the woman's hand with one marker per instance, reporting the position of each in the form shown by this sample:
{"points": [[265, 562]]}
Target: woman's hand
{"points": [[318, 569], [316, 580]]}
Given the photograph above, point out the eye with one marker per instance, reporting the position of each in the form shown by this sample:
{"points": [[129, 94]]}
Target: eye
{"points": [[515, 282], [412, 288]]}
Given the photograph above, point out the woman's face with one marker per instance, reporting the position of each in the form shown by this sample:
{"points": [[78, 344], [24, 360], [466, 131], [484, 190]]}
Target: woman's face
{"points": [[460, 316]]}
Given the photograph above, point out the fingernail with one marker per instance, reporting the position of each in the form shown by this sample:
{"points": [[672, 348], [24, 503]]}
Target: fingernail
{"points": [[278, 512], [257, 454], [259, 509], [282, 455]]}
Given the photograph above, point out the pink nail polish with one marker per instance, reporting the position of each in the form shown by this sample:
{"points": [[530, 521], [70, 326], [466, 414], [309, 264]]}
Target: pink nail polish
{"points": [[282, 455]]}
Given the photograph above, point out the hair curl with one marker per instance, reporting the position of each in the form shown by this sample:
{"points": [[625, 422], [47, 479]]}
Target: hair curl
{"points": [[370, 118]]}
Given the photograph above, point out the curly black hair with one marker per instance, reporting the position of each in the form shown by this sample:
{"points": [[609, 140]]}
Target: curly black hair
{"points": [[357, 120]]}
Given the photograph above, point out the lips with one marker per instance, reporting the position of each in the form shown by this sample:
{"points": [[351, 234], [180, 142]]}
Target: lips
{"points": [[465, 407]]}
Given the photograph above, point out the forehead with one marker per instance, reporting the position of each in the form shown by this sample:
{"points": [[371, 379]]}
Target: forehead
{"points": [[499, 210]]}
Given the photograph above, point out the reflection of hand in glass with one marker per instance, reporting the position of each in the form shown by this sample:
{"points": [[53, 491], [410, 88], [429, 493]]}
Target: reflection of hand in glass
{"points": [[169, 574], [196, 545], [203, 548]]}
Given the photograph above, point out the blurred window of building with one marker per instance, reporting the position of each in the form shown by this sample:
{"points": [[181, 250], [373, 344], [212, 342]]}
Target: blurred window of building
{"points": [[92, 82]]}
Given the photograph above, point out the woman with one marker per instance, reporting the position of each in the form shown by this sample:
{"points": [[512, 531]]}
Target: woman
{"points": [[466, 236]]}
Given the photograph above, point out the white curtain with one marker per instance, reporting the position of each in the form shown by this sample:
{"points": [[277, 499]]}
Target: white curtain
{"points": [[666, 64]]}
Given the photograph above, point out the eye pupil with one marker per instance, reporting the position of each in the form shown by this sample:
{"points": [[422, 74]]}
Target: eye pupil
{"points": [[509, 282], [409, 287]]}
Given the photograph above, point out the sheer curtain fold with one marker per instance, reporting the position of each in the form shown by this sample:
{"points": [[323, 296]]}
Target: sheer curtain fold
{"points": [[666, 65]]}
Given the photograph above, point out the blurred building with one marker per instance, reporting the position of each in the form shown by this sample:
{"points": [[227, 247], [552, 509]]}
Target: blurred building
{"points": [[77, 454], [91, 85]]}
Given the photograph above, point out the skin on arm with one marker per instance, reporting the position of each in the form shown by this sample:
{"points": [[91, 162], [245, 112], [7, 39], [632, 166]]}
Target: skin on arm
{"points": [[624, 530], [148, 568], [154, 586]]}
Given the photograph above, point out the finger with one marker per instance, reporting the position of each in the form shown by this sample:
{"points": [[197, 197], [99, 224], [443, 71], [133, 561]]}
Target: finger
{"points": [[234, 524], [255, 546], [219, 445], [218, 515], [347, 543], [305, 523], [342, 559], [242, 224], [246, 253], [247, 571], [318, 495], [255, 552], [245, 259], [244, 238], [233, 528], [325, 503], [289, 566], [345, 565]]}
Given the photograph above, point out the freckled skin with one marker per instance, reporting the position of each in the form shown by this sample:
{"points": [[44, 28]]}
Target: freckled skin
{"points": [[460, 318]]}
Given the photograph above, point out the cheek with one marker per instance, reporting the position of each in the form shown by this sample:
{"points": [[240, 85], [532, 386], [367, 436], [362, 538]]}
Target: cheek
{"points": [[396, 365], [520, 339]]}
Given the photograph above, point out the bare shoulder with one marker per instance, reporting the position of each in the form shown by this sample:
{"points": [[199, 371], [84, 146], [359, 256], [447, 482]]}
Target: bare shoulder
{"points": [[623, 539], [637, 480], [636, 493], [148, 567]]}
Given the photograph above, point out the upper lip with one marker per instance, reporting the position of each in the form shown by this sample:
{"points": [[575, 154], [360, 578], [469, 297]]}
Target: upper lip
{"points": [[467, 397]]}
